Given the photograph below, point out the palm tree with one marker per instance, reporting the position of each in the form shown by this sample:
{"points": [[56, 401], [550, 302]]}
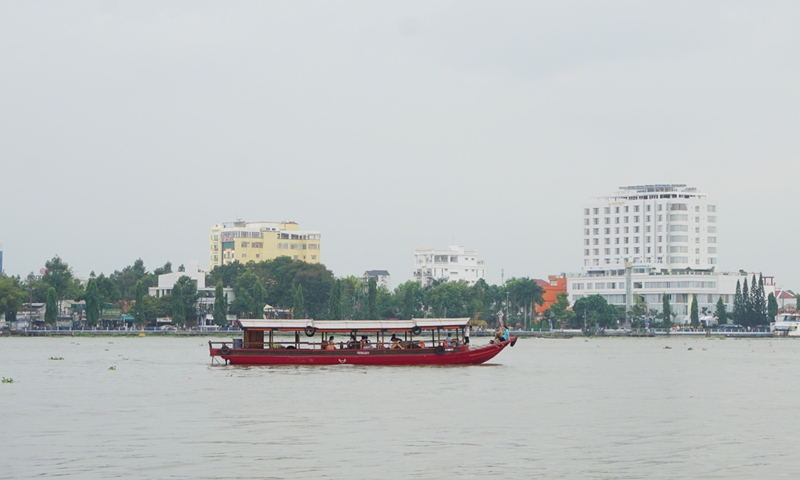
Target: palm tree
{"points": [[525, 292]]}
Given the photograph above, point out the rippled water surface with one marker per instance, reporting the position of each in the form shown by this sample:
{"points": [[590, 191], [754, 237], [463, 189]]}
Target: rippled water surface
{"points": [[576, 408]]}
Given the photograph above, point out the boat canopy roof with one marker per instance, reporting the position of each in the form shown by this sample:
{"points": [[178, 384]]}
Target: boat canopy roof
{"points": [[353, 325]]}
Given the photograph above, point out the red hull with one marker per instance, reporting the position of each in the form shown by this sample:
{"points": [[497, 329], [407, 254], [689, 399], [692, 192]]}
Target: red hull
{"points": [[428, 356]]}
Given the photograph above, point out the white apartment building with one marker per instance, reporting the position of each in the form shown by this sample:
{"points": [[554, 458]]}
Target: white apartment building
{"points": [[454, 264], [668, 236], [664, 226]]}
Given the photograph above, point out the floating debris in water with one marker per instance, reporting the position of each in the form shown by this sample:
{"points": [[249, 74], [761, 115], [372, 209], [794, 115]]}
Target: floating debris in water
{"points": [[112, 367], [667, 348], [56, 358], [690, 348], [8, 380]]}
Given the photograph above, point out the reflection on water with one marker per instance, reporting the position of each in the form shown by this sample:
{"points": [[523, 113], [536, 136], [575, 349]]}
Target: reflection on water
{"points": [[597, 408]]}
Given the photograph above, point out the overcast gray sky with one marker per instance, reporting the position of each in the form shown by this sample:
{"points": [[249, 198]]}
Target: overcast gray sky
{"points": [[127, 129]]}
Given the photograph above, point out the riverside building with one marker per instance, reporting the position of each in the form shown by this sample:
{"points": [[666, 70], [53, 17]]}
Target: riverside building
{"points": [[259, 241], [648, 240], [451, 265]]}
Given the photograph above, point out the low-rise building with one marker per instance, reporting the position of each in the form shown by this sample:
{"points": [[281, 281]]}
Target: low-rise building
{"points": [[382, 277], [651, 283], [552, 287], [259, 241], [205, 301], [451, 265]]}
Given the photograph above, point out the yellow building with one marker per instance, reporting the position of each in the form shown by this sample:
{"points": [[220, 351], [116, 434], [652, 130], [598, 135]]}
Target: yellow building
{"points": [[259, 241]]}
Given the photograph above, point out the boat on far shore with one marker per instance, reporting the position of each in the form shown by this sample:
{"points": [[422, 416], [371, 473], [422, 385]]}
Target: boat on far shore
{"points": [[428, 341]]}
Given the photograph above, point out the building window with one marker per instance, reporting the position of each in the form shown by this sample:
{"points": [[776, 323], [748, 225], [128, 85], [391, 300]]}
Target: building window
{"points": [[616, 209], [586, 211], [635, 249], [697, 208], [635, 239], [586, 242], [648, 250], [607, 210], [712, 239], [596, 231], [660, 250], [626, 230], [626, 209], [636, 208], [712, 219], [626, 240], [586, 251], [258, 255], [607, 231], [647, 240], [586, 221], [636, 229], [313, 257], [597, 251], [607, 241], [607, 251], [245, 244], [712, 208], [625, 250], [648, 209], [696, 219], [636, 218], [595, 241], [647, 217], [596, 220], [625, 220], [616, 219], [606, 220], [596, 211], [586, 231]]}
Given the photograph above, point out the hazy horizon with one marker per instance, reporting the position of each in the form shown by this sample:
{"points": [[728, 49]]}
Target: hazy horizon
{"points": [[128, 129]]}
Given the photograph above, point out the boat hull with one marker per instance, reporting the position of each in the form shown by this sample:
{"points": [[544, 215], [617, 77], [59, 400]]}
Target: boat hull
{"points": [[428, 356]]}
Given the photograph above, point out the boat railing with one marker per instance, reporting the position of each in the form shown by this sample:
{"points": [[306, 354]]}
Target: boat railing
{"points": [[310, 345]]}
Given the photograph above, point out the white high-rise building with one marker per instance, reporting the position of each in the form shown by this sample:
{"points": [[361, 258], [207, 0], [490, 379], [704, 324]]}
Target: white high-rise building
{"points": [[669, 227], [667, 235], [451, 265]]}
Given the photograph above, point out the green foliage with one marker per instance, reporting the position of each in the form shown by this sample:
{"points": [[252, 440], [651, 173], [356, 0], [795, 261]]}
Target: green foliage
{"points": [[298, 304], [139, 317], [178, 307], [559, 310], [11, 297], [259, 300], [92, 298], [720, 313], [189, 296], [59, 276], [335, 301], [738, 305], [51, 307], [372, 297], [638, 311], [666, 311], [220, 305], [524, 293], [693, 313], [772, 307], [594, 310]]}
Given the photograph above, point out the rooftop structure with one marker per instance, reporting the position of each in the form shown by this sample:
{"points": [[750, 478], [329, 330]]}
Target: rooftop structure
{"points": [[382, 277]]}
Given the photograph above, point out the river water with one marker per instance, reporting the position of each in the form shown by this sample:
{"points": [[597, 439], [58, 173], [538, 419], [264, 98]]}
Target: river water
{"points": [[554, 408]]}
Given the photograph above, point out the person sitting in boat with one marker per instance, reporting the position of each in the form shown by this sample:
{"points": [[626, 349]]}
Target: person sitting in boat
{"points": [[330, 345], [353, 343], [323, 344], [396, 343], [505, 333], [365, 343], [498, 335], [448, 342]]}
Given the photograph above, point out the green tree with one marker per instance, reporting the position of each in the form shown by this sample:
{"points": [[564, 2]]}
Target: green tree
{"points": [[220, 305], [51, 307], [721, 314], [189, 297], [772, 307], [139, 318], [693, 313], [298, 304], [178, 307], [372, 297], [408, 290], [666, 311], [738, 305], [638, 311], [335, 300], [59, 276], [259, 300], [747, 300], [594, 310], [92, 298], [11, 297], [525, 292], [243, 290], [107, 290], [759, 302], [560, 311]]}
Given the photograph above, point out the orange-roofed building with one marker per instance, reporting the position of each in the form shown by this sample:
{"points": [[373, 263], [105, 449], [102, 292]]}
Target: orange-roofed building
{"points": [[552, 287]]}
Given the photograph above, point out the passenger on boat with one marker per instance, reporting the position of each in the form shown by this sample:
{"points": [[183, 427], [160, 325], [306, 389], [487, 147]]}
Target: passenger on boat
{"points": [[498, 335], [353, 342], [330, 345], [466, 335], [448, 342], [396, 343], [505, 333], [365, 343], [323, 344]]}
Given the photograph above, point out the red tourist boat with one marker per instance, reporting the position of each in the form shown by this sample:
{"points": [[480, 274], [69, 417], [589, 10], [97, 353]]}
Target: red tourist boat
{"points": [[429, 341]]}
